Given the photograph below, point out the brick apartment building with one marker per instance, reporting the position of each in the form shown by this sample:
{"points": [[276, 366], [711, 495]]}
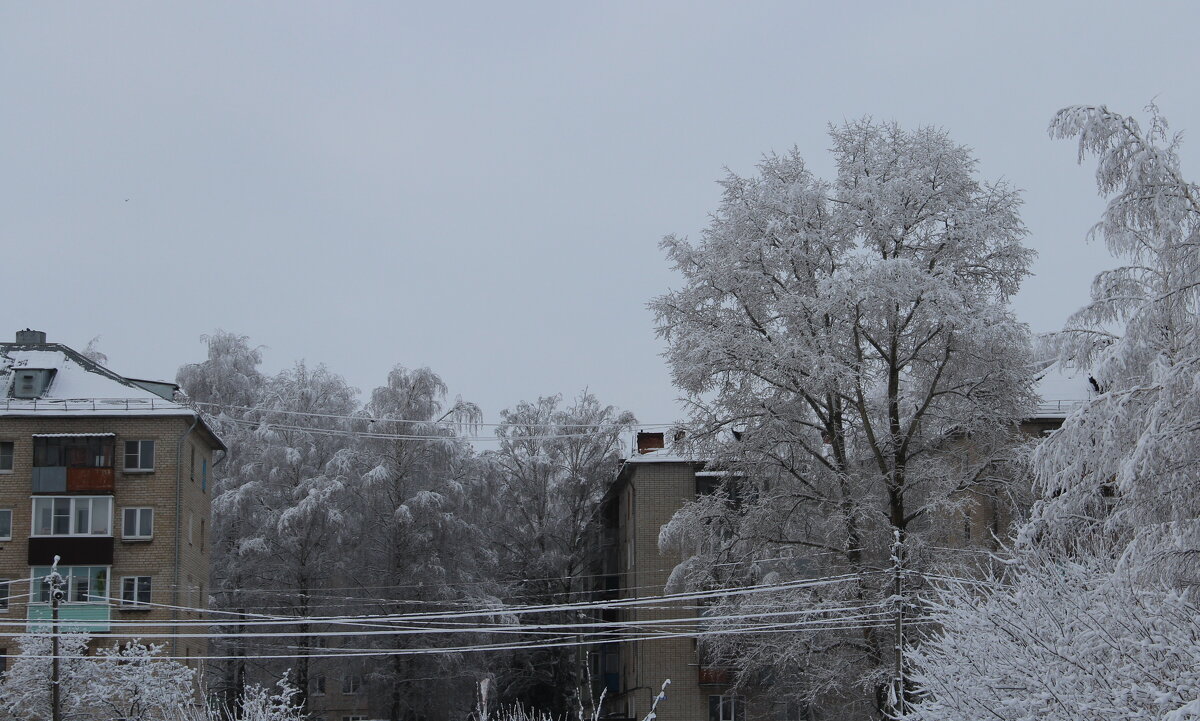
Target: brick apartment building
{"points": [[112, 475], [649, 488]]}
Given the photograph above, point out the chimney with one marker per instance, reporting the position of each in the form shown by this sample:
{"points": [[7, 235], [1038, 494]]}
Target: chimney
{"points": [[31, 337], [647, 442]]}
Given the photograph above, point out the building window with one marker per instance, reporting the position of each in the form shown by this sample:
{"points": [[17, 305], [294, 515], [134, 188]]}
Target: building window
{"points": [[201, 535], [354, 718], [84, 583], [72, 516], [191, 526], [204, 475], [135, 590], [138, 523], [318, 685], [5, 593], [5, 524], [6, 456], [192, 467], [94, 451], [139, 456], [351, 683], [726, 708]]}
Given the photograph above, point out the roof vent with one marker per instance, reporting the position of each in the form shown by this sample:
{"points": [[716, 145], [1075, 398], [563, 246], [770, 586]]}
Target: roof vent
{"points": [[31, 382], [31, 336]]}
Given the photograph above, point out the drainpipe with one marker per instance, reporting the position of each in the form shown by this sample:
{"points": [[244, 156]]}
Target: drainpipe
{"points": [[178, 531]]}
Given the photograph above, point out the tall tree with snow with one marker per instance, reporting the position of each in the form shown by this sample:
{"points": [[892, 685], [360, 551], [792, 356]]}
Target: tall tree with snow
{"points": [[1097, 617], [547, 478], [414, 547], [1128, 463], [228, 385], [850, 332], [292, 504]]}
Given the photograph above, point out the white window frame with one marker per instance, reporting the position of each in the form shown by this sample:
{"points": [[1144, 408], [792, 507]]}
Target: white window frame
{"points": [[74, 503], [11, 456], [731, 702], [38, 587], [6, 536], [141, 456], [135, 602], [141, 534], [353, 681]]}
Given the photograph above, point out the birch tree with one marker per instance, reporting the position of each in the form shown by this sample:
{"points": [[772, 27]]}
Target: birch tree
{"points": [[547, 478], [1098, 615], [849, 333], [1128, 463]]}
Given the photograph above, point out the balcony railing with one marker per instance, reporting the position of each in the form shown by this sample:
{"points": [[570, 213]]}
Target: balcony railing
{"points": [[60, 479], [714, 676], [90, 479], [72, 550], [72, 617]]}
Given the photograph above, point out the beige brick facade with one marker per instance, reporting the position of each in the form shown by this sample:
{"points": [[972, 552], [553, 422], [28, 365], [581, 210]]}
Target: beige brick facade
{"points": [[181, 523]]}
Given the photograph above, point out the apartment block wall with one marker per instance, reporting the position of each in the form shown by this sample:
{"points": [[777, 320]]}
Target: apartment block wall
{"points": [[156, 557], [652, 495]]}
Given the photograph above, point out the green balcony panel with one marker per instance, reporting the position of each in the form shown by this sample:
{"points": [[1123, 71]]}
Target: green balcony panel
{"points": [[87, 617]]}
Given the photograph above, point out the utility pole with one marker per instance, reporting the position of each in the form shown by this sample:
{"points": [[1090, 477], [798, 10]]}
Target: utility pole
{"points": [[55, 581], [898, 705]]}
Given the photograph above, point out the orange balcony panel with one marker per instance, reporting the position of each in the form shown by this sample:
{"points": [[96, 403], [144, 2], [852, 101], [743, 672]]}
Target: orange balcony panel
{"points": [[90, 480]]}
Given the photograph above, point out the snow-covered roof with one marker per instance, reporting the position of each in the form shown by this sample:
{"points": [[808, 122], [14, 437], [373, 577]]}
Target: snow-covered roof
{"points": [[78, 386], [660, 455], [74, 435], [1062, 389]]}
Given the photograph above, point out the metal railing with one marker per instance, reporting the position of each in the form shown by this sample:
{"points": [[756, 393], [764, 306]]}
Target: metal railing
{"points": [[60, 405], [1059, 406]]}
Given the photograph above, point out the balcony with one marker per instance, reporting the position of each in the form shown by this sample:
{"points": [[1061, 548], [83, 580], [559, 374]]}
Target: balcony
{"points": [[715, 676], [73, 617], [73, 550], [61, 479]]}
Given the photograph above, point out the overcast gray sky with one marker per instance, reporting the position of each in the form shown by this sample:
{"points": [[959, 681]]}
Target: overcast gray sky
{"points": [[481, 187]]}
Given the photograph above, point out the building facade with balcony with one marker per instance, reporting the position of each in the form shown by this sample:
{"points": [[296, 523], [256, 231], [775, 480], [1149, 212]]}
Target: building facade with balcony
{"points": [[111, 475]]}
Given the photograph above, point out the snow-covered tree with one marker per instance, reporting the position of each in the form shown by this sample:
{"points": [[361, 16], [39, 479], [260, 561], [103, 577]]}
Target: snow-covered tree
{"points": [[292, 503], [414, 548], [1128, 463], [546, 480], [230, 382], [134, 682], [130, 682], [1072, 639], [1100, 619], [25, 690], [849, 333]]}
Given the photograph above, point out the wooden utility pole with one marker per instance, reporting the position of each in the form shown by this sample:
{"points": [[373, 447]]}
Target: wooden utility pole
{"points": [[898, 705], [55, 581]]}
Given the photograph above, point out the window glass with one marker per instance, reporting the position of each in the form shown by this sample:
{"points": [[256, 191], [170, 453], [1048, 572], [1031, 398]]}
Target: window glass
{"points": [[62, 516], [72, 516], [6, 455], [101, 513], [135, 589], [83, 583], [5, 524], [5, 592], [139, 455]]}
